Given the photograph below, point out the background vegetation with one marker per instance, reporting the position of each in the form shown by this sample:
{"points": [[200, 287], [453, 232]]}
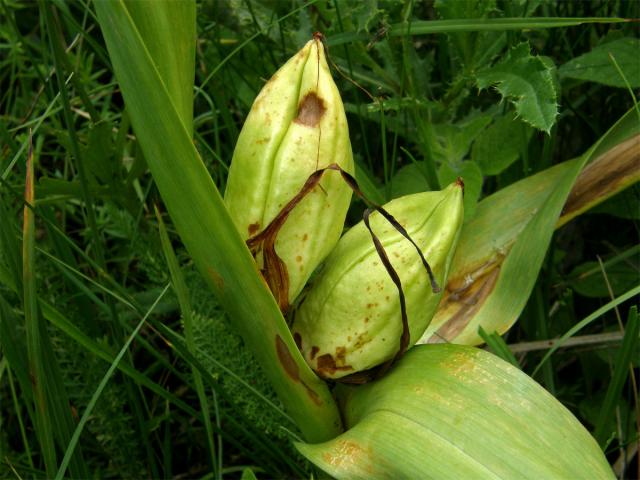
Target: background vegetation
{"points": [[99, 265]]}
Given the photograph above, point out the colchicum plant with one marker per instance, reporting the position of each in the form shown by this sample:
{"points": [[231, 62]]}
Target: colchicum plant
{"points": [[362, 335], [296, 126], [351, 319]]}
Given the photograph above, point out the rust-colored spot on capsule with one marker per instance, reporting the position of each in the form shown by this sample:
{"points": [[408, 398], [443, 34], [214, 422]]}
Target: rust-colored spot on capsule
{"points": [[310, 110], [253, 229], [298, 258], [327, 365], [305, 237], [314, 351]]}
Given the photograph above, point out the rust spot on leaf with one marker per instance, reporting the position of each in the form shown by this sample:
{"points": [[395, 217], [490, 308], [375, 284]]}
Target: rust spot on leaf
{"points": [[603, 177], [466, 302], [291, 368], [286, 359], [314, 351], [310, 110], [298, 339], [347, 453], [216, 279]]}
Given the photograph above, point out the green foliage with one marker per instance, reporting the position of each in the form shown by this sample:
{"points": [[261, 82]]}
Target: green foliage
{"points": [[430, 115], [597, 65], [221, 349], [526, 81], [590, 279], [501, 144]]}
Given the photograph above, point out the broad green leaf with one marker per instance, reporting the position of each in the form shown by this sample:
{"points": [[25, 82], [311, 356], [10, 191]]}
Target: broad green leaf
{"points": [[501, 144], [204, 225], [409, 179], [169, 32], [488, 285], [526, 81], [596, 66], [453, 141], [588, 279], [449, 411], [367, 184]]}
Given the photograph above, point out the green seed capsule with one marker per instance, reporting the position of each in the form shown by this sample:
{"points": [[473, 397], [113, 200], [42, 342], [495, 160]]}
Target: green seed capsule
{"points": [[350, 321], [297, 125]]}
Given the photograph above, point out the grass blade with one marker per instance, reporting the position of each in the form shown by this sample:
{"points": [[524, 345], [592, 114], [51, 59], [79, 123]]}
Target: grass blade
{"points": [[96, 395], [180, 288], [621, 369], [498, 346], [206, 229], [586, 321], [33, 329], [426, 27]]}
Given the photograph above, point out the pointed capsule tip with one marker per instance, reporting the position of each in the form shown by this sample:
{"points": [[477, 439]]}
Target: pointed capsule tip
{"points": [[318, 36]]}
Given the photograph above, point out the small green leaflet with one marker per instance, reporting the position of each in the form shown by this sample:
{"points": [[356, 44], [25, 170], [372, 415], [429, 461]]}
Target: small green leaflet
{"points": [[596, 66], [527, 82]]}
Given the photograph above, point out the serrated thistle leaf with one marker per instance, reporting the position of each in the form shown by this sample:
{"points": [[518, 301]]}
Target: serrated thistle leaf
{"points": [[525, 80]]}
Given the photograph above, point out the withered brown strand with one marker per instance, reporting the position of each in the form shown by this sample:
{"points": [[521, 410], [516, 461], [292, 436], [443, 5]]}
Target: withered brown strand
{"points": [[404, 337], [277, 277], [275, 270]]}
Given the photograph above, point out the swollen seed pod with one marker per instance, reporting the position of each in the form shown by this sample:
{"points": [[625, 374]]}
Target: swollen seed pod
{"points": [[296, 125], [350, 320]]}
